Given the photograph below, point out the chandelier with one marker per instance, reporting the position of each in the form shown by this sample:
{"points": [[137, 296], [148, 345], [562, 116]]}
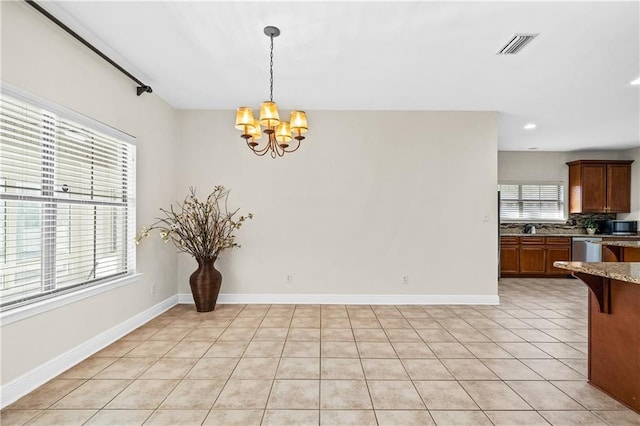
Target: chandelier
{"points": [[278, 133]]}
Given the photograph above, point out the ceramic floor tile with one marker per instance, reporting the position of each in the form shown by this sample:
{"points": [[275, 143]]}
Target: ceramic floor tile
{"points": [[10, 417], [296, 349], [294, 394], [468, 369], [413, 350], [177, 417], [402, 335], [572, 418], [560, 350], [460, 418], [394, 394], [347, 418], [619, 418], [291, 417], [47, 394], [426, 369], [339, 350], [370, 335], [244, 394], [119, 418], [487, 350], [341, 368], [118, 349], [206, 334], [494, 395], [376, 350], [304, 334], [237, 335], [193, 395], [520, 418], [444, 395], [226, 350], [588, 396], [126, 368], [188, 350], [450, 350], [143, 395], [62, 418], [543, 395], [552, 369], [173, 334], [404, 418], [344, 394], [213, 368], [523, 350], [169, 368], [261, 349], [234, 418], [92, 394], [256, 368], [298, 368], [276, 322], [88, 368], [277, 334], [436, 335], [511, 369], [384, 369]]}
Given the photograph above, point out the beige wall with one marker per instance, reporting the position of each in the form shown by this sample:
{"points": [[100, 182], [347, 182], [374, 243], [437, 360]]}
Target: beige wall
{"points": [[369, 198], [39, 57]]}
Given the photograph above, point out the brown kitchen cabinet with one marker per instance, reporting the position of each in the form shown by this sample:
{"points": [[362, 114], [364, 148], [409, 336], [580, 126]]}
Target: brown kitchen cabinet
{"points": [[600, 186], [533, 256]]}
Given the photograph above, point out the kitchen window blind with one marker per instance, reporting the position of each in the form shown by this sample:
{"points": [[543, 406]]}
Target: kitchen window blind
{"points": [[526, 201], [67, 201]]}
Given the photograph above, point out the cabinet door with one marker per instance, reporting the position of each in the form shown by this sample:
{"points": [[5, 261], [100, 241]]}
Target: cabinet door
{"points": [[554, 254], [509, 259], [532, 260], [594, 188], [618, 188]]}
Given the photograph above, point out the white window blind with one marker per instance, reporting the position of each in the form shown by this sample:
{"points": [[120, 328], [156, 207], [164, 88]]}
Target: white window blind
{"points": [[67, 201], [525, 201]]}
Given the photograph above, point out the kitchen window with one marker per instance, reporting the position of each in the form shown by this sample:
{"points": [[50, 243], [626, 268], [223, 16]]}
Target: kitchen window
{"points": [[532, 202], [67, 201]]}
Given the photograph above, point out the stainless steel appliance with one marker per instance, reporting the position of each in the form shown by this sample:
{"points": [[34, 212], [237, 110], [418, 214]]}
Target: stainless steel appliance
{"points": [[618, 227], [586, 249]]}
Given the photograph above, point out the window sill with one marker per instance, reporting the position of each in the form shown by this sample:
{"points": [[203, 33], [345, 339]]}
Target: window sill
{"points": [[524, 222], [26, 311]]}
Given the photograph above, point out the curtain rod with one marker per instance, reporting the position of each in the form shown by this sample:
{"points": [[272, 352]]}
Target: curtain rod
{"points": [[142, 88]]}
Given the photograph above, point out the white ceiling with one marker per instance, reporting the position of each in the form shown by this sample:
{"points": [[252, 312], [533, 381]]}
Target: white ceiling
{"points": [[573, 80]]}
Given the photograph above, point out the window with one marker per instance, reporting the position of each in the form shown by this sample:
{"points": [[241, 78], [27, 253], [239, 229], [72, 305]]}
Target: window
{"points": [[67, 201], [526, 201]]}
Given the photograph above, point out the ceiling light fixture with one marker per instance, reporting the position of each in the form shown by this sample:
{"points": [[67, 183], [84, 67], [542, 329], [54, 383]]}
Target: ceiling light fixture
{"points": [[530, 126], [279, 133], [636, 82]]}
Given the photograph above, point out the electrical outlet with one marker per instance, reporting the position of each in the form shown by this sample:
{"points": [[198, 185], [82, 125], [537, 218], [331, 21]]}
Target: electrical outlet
{"points": [[288, 278], [405, 279]]}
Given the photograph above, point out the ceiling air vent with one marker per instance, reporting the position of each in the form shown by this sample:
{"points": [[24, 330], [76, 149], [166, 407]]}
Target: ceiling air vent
{"points": [[516, 44]]}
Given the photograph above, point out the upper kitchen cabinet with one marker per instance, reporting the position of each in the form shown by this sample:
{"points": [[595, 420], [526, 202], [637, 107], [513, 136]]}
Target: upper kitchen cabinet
{"points": [[600, 186]]}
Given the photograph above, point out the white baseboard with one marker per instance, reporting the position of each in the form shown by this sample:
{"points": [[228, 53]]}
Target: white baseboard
{"points": [[352, 299], [29, 381]]}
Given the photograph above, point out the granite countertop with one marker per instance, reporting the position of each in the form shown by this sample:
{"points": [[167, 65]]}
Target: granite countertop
{"points": [[566, 234], [620, 243], [622, 271]]}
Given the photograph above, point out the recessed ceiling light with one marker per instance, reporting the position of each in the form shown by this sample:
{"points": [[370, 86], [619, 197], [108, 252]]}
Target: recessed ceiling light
{"points": [[636, 82], [533, 148], [530, 126]]}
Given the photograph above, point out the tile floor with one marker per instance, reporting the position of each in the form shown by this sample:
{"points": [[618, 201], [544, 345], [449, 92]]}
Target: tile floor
{"points": [[520, 363]]}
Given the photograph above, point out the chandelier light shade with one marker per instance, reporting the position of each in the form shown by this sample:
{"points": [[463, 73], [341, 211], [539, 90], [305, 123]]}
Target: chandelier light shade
{"points": [[279, 133]]}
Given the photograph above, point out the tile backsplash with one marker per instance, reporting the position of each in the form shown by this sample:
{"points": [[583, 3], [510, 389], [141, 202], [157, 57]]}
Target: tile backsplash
{"points": [[574, 225]]}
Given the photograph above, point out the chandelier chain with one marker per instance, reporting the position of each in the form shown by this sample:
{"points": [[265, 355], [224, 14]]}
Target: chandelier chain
{"points": [[271, 71]]}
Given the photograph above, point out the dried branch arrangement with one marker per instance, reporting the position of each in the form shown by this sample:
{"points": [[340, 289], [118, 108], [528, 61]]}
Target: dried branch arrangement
{"points": [[201, 228]]}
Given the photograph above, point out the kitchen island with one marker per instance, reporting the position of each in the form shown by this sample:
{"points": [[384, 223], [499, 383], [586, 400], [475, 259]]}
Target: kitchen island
{"points": [[620, 251], [614, 326]]}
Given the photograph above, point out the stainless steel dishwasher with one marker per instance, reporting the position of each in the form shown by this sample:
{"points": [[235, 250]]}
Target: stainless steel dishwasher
{"points": [[586, 249]]}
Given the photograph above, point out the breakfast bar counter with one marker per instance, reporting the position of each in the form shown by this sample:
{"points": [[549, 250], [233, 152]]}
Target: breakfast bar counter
{"points": [[614, 326], [620, 251]]}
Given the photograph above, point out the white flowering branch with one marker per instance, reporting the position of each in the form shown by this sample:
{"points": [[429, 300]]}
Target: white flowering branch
{"points": [[200, 228]]}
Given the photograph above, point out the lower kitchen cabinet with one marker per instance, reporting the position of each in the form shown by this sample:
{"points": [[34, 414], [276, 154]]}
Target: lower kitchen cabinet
{"points": [[532, 260], [533, 256]]}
